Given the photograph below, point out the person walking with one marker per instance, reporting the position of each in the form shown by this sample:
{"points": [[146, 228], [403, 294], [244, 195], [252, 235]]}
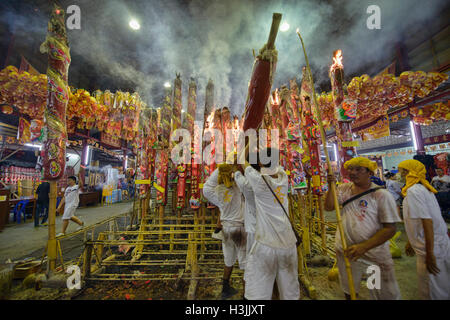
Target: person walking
{"points": [[427, 232], [70, 201]]}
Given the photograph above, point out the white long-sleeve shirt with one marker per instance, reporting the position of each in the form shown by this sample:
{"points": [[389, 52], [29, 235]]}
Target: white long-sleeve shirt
{"points": [[273, 227], [250, 206], [419, 204], [228, 200]]}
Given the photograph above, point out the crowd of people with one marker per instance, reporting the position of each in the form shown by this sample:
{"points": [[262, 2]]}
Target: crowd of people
{"points": [[257, 231]]}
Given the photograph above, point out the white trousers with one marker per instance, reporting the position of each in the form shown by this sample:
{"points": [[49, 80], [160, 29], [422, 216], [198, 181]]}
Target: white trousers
{"points": [[434, 287], [388, 289], [234, 246], [265, 265]]}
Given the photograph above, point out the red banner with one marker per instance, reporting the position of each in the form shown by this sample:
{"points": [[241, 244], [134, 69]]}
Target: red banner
{"points": [[112, 141], [438, 139]]}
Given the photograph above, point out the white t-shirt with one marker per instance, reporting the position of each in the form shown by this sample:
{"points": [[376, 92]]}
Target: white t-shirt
{"points": [[228, 200], [364, 217], [418, 204], [273, 227], [442, 184], [71, 195], [250, 206], [394, 188]]}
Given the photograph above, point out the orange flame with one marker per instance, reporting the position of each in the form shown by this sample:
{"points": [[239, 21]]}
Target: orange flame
{"points": [[275, 98], [209, 121], [337, 60]]}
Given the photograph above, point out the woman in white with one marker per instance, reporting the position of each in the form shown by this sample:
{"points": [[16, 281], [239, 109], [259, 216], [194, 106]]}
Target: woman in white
{"points": [[427, 233]]}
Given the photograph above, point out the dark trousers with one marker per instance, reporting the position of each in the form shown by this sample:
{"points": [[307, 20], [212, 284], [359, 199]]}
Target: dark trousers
{"points": [[41, 208]]}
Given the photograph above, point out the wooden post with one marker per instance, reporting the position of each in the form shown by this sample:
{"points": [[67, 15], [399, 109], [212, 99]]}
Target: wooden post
{"points": [[161, 216], [51, 245], [171, 239], [323, 229], [87, 260]]}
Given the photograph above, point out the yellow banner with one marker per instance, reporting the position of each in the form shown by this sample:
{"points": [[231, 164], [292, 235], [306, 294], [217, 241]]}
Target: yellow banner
{"points": [[378, 130], [157, 187], [348, 144], [143, 181]]}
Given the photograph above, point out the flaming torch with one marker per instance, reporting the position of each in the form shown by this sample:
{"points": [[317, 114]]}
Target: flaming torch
{"points": [[345, 112], [330, 172]]}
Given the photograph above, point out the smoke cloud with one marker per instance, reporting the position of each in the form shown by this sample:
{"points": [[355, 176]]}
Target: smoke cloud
{"points": [[215, 38]]}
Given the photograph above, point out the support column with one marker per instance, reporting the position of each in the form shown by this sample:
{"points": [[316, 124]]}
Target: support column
{"points": [[419, 139]]}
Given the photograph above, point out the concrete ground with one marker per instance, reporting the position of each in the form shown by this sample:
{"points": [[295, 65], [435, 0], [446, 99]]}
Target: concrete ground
{"points": [[19, 240]]}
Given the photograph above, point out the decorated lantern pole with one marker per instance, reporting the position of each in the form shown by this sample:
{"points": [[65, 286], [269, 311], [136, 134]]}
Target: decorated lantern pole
{"points": [[227, 126], [184, 168], [54, 151], [195, 172], [330, 172], [163, 155], [345, 112], [311, 136], [175, 124], [288, 121], [294, 133], [208, 115]]}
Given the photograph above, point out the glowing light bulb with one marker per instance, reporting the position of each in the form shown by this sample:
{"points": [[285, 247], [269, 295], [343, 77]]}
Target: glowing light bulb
{"points": [[167, 84]]}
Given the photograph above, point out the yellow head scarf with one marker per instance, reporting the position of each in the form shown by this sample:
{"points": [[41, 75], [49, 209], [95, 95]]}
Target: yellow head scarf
{"points": [[416, 174], [225, 178], [361, 162]]}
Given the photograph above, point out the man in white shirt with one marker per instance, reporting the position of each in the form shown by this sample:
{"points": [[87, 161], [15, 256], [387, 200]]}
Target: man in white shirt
{"points": [[71, 200], [441, 182], [427, 233], [273, 256], [228, 198], [368, 223]]}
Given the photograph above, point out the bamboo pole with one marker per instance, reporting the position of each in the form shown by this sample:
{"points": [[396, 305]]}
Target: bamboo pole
{"points": [[322, 228], [330, 172], [51, 244]]}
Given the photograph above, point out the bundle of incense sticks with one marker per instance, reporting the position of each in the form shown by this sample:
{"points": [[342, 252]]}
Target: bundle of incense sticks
{"points": [[163, 155], [311, 134]]}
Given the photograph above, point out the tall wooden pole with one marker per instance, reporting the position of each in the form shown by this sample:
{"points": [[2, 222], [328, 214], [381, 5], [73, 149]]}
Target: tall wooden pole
{"points": [[330, 172], [52, 248]]}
